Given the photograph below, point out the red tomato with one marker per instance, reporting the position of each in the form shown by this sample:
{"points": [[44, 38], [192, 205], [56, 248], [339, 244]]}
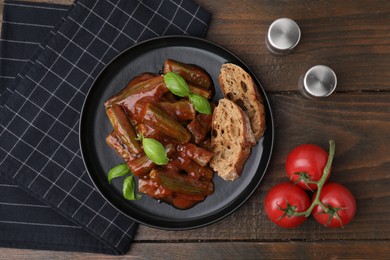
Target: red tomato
{"points": [[340, 203], [304, 163], [282, 201]]}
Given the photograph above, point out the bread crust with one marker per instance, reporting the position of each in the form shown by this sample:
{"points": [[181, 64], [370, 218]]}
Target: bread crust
{"points": [[231, 140], [237, 85]]}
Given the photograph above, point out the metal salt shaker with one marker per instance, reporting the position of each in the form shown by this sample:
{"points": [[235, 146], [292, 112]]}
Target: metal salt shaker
{"points": [[318, 82], [283, 36]]}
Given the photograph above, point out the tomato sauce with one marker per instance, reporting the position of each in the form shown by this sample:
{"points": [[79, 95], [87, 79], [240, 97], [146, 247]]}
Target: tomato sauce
{"points": [[153, 111]]}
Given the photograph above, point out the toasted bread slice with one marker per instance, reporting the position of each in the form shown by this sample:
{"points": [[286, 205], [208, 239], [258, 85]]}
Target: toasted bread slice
{"points": [[238, 86], [231, 140]]}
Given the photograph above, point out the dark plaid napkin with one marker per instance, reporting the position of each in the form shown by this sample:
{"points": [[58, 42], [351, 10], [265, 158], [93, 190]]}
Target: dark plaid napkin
{"points": [[47, 65]]}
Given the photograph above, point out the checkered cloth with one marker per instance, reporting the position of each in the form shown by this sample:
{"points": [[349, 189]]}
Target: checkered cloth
{"points": [[40, 108]]}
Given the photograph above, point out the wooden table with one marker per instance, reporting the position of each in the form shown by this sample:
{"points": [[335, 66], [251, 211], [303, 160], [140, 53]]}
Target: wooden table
{"points": [[353, 38]]}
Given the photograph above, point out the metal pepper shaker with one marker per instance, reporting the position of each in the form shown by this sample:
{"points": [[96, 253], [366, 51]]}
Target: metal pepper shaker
{"points": [[318, 82], [283, 36]]}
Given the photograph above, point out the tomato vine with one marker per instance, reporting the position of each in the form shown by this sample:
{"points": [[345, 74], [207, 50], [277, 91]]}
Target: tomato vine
{"points": [[288, 205], [320, 183]]}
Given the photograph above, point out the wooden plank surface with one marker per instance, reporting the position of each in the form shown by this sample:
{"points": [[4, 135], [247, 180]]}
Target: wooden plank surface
{"points": [[359, 123], [352, 37], [227, 250], [349, 36]]}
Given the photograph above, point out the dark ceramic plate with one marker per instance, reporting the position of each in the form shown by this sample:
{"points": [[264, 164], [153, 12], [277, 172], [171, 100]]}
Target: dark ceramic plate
{"points": [[149, 56]]}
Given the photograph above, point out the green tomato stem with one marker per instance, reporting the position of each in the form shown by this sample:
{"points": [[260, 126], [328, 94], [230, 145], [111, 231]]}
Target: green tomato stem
{"points": [[320, 183]]}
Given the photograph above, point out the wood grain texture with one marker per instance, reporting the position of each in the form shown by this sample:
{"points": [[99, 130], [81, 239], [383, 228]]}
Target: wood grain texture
{"points": [[352, 37], [359, 123], [344, 35], [227, 250]]}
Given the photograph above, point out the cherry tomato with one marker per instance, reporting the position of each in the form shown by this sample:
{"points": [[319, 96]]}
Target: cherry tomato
{"points": [[305, 163], [282, 201], [340, 203]]}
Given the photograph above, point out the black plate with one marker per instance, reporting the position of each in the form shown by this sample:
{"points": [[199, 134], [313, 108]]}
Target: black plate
{"points": [[99, 158]]}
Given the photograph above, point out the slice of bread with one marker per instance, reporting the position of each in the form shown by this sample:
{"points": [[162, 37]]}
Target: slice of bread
{"points": [[231, 139], [238, 86]]}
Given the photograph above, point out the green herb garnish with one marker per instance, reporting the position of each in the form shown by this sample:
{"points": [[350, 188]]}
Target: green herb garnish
{"points": [[178, 86], [128, 186], [128, 189], [118, 171], [201, 104], [154, 150]]}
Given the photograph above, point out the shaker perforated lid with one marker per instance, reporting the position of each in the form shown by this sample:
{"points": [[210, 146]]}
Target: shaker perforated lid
{"points": [[319, 81], [283, 36]]}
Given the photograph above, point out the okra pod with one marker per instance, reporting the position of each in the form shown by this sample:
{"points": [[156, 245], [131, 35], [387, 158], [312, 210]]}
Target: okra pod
{"points": [[140, 78], [113, 141], [199, 155], [153, 189], [182, 110], [130, 84], [181, 183], [196, 171], [193, 74], [148, 131], [206, 93], [159, 119], [141, 166], [200, 127], [123, 128], [151, 89]]}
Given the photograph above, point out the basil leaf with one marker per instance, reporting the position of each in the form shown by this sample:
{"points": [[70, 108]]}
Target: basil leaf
{"points": [[155, 151], [128, 189], [201, 104], [176, 84], [118, 171]]}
